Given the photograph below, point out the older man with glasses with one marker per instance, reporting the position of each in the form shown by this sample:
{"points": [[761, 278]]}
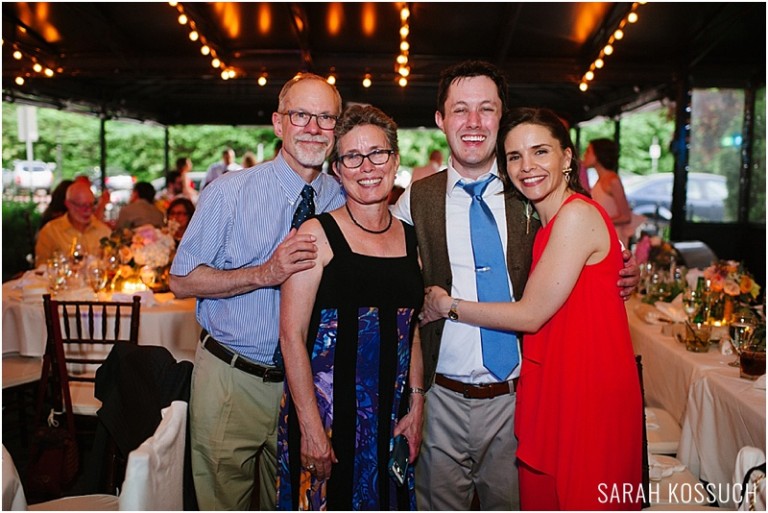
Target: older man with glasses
{"points": [[79, 223]]}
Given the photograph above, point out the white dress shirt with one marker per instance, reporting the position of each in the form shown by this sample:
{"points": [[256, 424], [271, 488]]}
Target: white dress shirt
{"points": [[460, 347]]}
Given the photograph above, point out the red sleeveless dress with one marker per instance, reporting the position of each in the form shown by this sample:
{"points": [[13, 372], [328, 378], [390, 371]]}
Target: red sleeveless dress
{"points": [[579, 405]]}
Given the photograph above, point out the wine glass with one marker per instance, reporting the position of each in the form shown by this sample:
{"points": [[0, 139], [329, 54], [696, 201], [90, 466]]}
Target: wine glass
{"points": [[77, 255], [97, 276], [58, 271], [740, 333], [692, 303]]}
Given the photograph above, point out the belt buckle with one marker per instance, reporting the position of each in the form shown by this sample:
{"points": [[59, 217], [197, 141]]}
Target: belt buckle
{"points": [[273, 375]]}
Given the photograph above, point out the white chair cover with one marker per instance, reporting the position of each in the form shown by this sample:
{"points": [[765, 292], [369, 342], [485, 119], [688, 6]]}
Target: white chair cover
{"points": [[754, 495], [13, 492], [154, 474]]}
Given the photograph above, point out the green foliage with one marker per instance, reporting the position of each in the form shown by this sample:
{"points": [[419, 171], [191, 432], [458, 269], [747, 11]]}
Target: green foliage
{"points": [[637, 134], [20, 223], [716, 122], [416, 145], [757, 183]]}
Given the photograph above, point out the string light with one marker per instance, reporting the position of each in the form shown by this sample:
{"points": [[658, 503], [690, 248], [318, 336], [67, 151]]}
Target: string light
{"points": [[227, 72], [331, 77], [367, 80], [402, 67], [609, 46], [262, 81], [35, 62]]}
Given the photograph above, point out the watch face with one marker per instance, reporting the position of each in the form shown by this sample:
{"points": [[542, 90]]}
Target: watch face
{"points": [[453, 315]]}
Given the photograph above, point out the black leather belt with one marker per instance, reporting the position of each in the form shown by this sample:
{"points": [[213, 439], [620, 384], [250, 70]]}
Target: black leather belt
{"points": [[271, 374], [479, 391]]}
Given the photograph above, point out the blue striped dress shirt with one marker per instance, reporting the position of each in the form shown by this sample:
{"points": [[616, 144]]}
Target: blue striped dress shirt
{"points": [[240, 220]]}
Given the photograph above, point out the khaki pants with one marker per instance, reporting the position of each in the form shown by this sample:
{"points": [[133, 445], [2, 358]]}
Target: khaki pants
{"points": [[233, 416], [469, 444]]}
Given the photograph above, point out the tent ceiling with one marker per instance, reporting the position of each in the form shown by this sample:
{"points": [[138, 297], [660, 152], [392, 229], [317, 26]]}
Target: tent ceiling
{"points": [[135, 60]]}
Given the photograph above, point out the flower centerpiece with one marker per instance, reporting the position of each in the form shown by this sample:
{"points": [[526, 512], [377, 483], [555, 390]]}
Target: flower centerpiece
{"points": [[140, 255], [656, 250], [728, 281]]}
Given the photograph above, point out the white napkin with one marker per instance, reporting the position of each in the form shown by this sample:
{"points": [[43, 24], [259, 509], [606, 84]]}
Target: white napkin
{"points": [[35, 278], [650, 314], [671, 311], [77, 294], [760, 383], [651, 423], [147, 297], [662, 466], [726, 348]]}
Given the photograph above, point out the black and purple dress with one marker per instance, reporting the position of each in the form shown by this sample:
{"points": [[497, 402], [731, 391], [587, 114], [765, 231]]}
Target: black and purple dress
{"points": [[359, 344]]}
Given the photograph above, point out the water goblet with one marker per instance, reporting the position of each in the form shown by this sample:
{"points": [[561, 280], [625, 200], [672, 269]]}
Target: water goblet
{"points": [[740, 332], [97, 276], [692, 303]]}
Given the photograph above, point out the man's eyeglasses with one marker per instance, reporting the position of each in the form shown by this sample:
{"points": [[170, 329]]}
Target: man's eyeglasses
{"points": [[301, 119], [82, 206], [377, 157]]}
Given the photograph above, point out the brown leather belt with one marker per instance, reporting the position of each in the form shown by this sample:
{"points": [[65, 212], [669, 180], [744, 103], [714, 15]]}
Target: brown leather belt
{"points": [[479, 391], [270, 374]]}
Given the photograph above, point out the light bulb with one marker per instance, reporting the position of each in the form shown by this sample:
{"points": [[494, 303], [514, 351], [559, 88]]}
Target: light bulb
{"points": [[583, 86], [632, 18], [215, 62], [608, 50], [183, 19], [599, 63], [37, 67], [367, 81], [618, 34], [194, 36], [205, 49], [589, 75], [403, 81], [48, 72], [262, 81], [19, 80], [404, 46], [17, 55], [331, 79]]}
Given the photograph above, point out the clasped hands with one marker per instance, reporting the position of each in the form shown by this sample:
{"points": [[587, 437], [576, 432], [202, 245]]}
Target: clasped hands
{"points": [[436, 305]]}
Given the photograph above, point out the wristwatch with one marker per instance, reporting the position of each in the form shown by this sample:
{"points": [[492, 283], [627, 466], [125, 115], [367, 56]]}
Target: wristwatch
{"points": [[453, 313]]}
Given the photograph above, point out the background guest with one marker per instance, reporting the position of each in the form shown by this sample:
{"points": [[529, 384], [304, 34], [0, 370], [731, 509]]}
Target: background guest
{"points": [[141, 210], [225, 165], [177, 184], [78, 223], [348, 372], [603, 156], [57, 206], [249, 160], [181, 211], [430, 168]]}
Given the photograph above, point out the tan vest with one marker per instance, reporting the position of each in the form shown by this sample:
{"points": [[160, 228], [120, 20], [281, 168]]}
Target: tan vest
{"points": [[428, 214]]}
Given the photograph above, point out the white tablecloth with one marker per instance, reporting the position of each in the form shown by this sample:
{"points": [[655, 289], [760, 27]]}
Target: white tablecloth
{"points": [[720, 412], [170, 323]]}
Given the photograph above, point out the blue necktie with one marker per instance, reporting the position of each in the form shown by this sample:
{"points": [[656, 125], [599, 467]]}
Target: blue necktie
{"points": [[306, 207], [499, 347], [305, 210]]}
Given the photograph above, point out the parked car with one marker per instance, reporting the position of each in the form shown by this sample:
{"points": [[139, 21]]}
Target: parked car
{"points": [[32, 175], [651, 196]]}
